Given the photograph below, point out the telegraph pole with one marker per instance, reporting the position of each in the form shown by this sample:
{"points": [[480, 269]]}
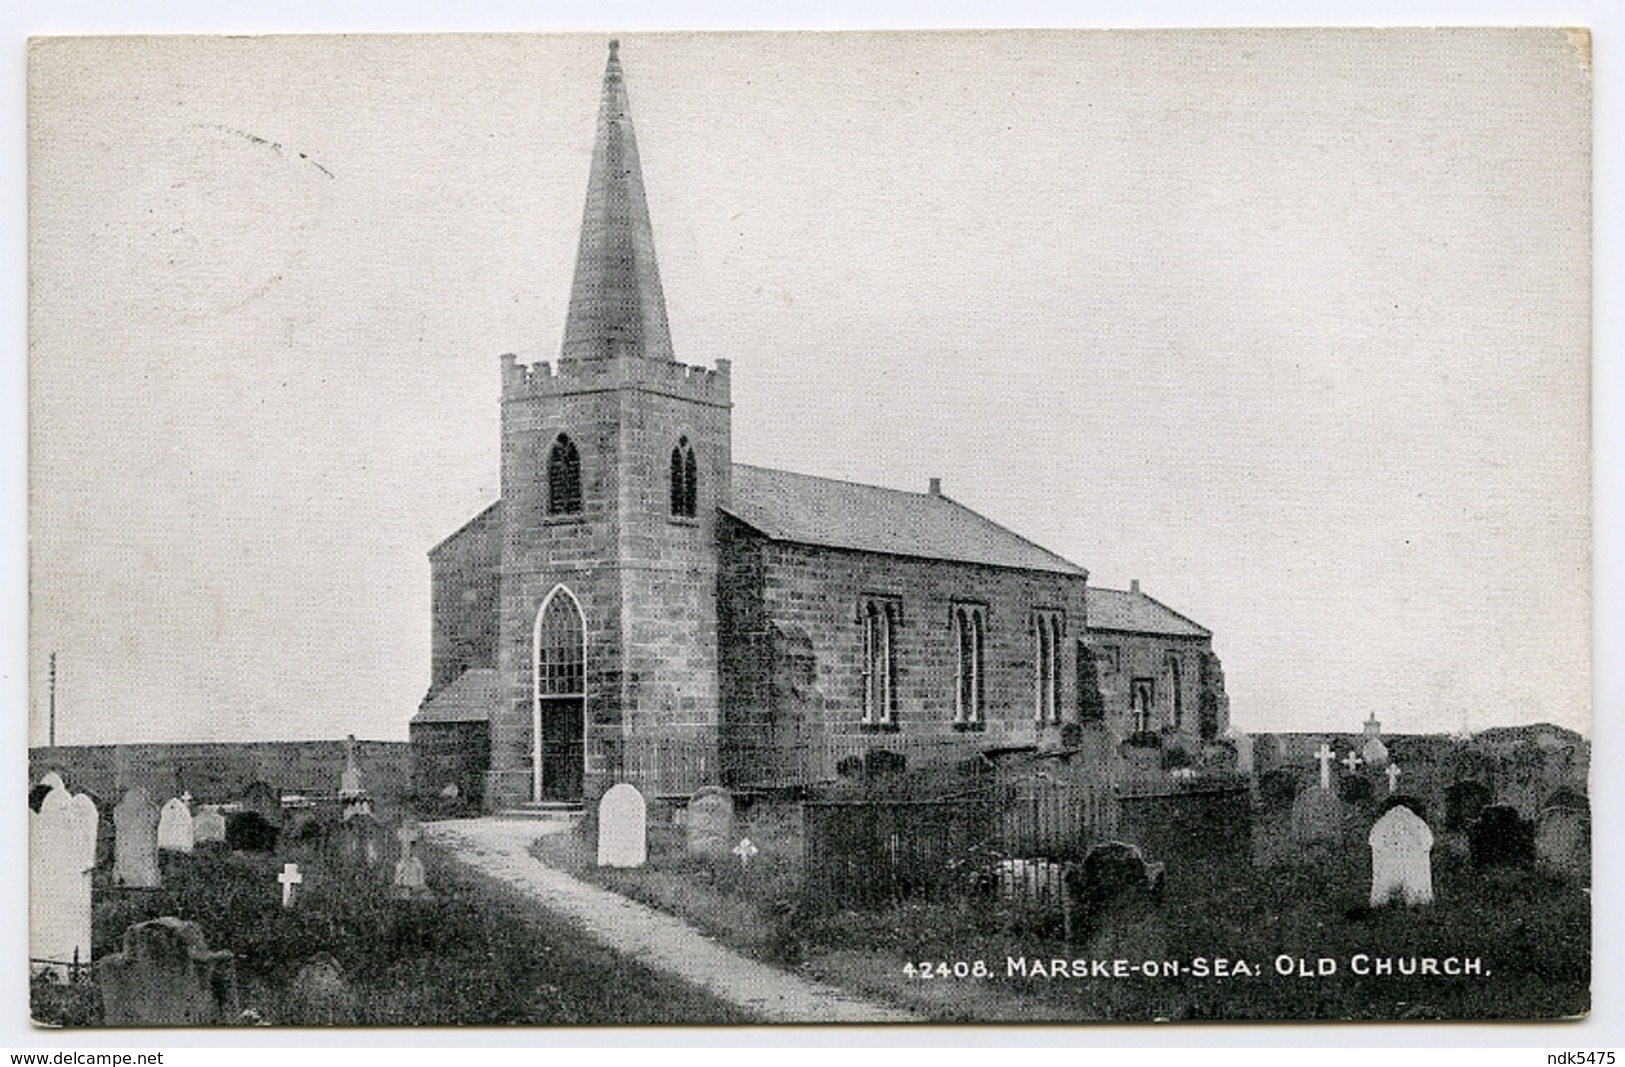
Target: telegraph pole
{"points": [[53, 700]]}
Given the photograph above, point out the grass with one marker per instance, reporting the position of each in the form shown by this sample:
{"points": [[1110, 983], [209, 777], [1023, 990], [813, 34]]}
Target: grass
{"points": [[1530, 929], [481, 953]]}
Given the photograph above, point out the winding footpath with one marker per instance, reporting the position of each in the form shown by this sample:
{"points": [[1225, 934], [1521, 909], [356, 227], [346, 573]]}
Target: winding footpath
{"points": [[500, 848]]}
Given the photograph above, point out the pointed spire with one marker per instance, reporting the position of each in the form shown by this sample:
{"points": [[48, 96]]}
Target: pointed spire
{"points": [[616, 303]]}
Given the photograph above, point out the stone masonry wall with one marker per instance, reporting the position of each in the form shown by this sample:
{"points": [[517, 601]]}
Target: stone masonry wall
{"points": [[463, 573], [644, 579], [221, 771], [816, 592], [1148, 656]]}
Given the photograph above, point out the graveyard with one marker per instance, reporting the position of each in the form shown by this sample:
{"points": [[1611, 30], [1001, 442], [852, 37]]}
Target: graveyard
{"points": [[305, 918], [926, 890], [1226, 940]]}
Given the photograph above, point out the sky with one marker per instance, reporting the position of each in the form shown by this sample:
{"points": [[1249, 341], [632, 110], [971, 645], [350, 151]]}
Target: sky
{"points": [[1292, 327]]}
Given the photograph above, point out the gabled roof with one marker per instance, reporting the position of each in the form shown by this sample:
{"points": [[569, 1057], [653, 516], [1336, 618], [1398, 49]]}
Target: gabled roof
{"points": [[1131, 611], [488, 514], [821, 511], [468, 699]]}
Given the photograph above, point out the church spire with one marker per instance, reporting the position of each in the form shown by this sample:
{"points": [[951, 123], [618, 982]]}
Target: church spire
{"points": [[616, 303]]}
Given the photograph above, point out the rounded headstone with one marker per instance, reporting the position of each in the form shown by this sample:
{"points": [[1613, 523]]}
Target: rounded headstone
{"points": [[622, 827], [709, 823]]}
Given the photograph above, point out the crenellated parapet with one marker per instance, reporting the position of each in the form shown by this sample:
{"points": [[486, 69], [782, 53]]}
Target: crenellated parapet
{"points": [[704, 385]]}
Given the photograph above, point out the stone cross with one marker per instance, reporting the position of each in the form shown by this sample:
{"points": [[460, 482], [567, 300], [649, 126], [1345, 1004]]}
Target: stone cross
{"points": [[407, 834], [1325, 755], [289, 878], [1393, 776], [1352, 761], [745, 850]]}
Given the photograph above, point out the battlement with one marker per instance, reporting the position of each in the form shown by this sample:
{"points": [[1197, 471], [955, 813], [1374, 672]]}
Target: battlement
{"points": [[567, 376]]}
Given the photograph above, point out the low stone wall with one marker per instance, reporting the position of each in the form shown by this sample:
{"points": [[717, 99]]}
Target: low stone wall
{"points": [[216, 771]]}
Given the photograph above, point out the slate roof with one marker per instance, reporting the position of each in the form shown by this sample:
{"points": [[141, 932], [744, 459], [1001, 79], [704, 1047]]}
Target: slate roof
{"points": [[1134, 612], [468, 699], [821, 511]]}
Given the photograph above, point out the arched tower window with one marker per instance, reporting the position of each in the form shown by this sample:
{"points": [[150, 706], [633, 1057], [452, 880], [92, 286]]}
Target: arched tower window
{"points": [[684, 481], [564, 478]]}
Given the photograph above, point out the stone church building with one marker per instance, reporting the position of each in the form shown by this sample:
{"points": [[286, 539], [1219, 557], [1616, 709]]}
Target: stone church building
{"points": [[640, 607]]}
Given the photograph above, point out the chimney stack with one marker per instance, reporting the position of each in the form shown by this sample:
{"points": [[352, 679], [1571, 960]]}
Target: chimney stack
{"points": [[1134, 586], [936, 487]]}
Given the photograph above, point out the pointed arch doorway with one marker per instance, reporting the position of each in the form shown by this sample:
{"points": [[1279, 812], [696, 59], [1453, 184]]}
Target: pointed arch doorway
{"points": [[559, 698]]}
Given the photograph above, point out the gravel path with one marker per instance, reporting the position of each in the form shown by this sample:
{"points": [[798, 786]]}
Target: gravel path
{"points": [[500, 848]]}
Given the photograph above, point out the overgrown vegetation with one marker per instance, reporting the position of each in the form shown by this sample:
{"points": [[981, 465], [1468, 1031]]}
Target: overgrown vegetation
{"points": [[1530, 930], [480, 953]]}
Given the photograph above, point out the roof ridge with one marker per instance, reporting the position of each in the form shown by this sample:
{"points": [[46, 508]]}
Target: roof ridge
{"points": [[838, 481]]}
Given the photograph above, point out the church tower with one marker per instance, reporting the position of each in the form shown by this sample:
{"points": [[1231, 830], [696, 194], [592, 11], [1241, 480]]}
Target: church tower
{"points": [[614, 462]]}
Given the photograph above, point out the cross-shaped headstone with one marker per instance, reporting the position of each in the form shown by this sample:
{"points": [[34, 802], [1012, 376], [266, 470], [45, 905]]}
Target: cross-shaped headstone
{"points": [[289, 878], [186, 797], [1352, 761], [745, 850], [1325, 755], [1393, 777]]}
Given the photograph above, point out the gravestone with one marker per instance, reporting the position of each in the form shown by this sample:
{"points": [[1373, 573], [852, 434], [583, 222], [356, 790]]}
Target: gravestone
{"points": [[61, 861], [354, 800], [710, 822], [1317, 816], [209, 826], [350, 779], [1401, 858], [290, 879], [320, 994], [361, 841], [266, 801], [1563, 841], [1500, 837], [135, 846], [622, 827], [166, 975], [249, 831], [175, 829], [411, 881], [1114, 899]]}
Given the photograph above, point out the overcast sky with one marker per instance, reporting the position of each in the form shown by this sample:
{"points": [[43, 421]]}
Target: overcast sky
{"points": [[1292, 327]]}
